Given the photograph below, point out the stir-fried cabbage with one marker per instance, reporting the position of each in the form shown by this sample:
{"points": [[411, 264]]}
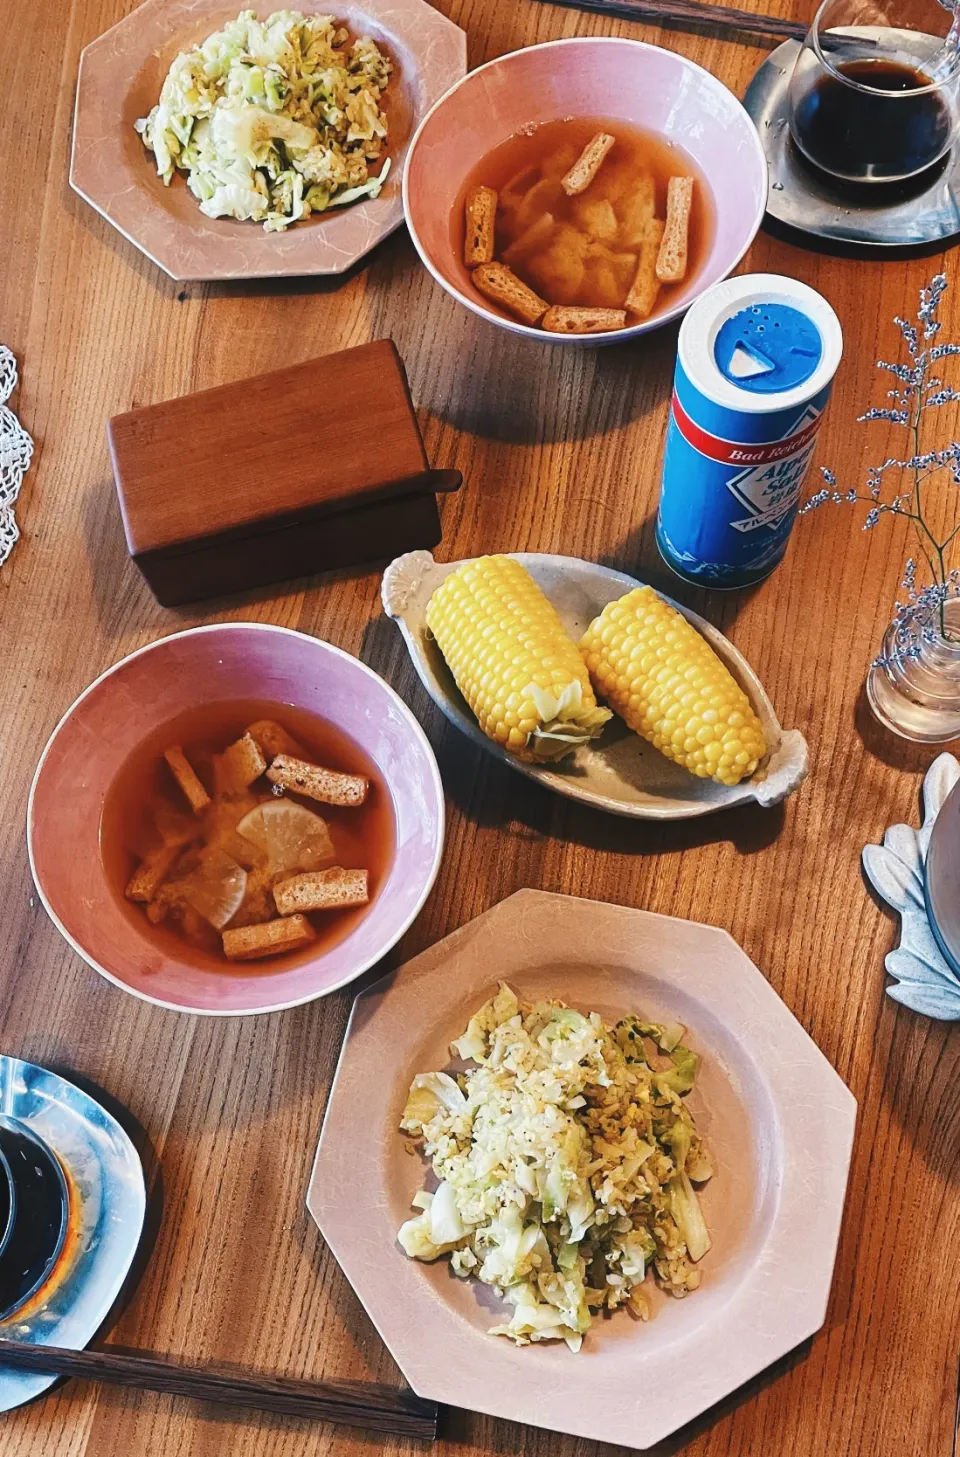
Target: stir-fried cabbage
{"points": [[565, 1158], [273, 120]]}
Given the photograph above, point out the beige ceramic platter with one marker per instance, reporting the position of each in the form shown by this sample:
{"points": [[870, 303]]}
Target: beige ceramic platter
{"points": [[120, 78], [778, 1118], [619, 772]]}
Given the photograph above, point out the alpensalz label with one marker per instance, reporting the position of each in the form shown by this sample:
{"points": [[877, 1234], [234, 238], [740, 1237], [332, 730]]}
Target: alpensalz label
{"points": [[769, 483]]}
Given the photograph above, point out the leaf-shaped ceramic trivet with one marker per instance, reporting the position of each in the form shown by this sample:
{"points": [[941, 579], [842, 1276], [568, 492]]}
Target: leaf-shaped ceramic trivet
{"points": [[923, 979]]}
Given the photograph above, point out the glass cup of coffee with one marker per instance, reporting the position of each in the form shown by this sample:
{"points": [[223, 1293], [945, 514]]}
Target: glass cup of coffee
{"points": [[873, 97]]}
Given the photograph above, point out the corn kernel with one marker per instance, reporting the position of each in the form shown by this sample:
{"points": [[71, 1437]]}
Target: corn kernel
{"points": [[667, 682], [500, 635]]}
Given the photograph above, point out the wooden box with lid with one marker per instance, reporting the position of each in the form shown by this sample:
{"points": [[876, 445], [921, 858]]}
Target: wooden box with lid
{"points": [[314, 467]]}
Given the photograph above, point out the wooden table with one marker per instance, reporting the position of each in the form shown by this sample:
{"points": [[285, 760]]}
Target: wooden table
{"points": [[561, 452]]}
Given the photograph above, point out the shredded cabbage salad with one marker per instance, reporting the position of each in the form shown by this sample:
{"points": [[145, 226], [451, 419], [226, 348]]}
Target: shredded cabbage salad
{"points": [[566, 1157], [273, 120]]}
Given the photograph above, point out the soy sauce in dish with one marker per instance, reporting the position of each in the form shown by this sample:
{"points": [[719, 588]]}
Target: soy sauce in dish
{"points": [[865, 134], [39, 1206]]}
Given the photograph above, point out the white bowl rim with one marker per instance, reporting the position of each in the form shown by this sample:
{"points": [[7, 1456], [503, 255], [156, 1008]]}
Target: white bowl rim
{"points": [[633, 331], [406, 713]]}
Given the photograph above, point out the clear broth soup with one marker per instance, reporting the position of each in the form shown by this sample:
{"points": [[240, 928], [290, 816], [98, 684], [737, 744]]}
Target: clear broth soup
{"points": [[588, 258], [144, 799]]}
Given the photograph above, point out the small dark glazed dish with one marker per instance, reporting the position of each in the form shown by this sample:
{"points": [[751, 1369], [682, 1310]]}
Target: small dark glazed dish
{"points": [[34, 1205]]}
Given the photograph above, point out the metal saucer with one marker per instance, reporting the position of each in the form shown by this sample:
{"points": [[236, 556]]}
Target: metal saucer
{"points": [[107, 1204], [923, 211]]}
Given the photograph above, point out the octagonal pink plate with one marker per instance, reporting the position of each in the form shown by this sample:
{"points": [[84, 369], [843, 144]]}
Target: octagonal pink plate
{"points": [[777, 1118], [126, 706], [120, 78]]}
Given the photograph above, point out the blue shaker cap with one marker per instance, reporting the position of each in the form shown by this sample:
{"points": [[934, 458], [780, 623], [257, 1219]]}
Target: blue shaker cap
{"points": [[768, 348]]}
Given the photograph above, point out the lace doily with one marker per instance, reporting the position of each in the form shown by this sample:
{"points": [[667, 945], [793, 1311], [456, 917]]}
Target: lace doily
{"points": [[16, 451]]}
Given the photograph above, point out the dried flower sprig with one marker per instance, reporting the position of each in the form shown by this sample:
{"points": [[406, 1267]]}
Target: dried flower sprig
{"points": [[922, 616]]}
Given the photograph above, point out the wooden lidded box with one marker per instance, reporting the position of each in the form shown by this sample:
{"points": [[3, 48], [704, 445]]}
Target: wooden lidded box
{"points": [[316, 466]]}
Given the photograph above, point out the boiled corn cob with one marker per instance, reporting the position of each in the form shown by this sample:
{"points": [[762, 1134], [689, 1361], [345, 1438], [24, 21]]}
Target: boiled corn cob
{"points": [[666, 681], [513, 661]]}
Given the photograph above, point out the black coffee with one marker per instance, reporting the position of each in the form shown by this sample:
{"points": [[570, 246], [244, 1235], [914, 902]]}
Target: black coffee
{"points": [[855, 134]]}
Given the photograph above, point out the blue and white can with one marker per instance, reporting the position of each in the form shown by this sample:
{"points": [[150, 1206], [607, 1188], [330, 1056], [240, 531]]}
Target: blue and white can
{"points": [[755, 364]]}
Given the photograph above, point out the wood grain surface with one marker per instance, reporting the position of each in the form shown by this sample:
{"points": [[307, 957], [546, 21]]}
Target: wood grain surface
{"points": [[248, 432], [197, 519], [394, 1410], [693, 12], [561, 451]]}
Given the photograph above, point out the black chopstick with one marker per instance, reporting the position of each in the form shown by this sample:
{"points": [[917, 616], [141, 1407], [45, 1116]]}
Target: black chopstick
{"points": [[351, 1403], [691, 12]]}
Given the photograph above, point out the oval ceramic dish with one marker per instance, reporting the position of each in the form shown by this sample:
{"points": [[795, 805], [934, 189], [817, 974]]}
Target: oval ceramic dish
{"points": [[619, 772]]}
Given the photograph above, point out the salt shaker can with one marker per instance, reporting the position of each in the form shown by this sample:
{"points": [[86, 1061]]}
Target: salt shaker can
{"points": [[756, 359]]}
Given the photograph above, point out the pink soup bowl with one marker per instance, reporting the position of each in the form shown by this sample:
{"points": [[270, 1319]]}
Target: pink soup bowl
{"points": [[118, 712], [604, 77]]}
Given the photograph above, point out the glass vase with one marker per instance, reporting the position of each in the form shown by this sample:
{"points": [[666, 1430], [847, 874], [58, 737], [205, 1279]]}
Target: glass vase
{"points": [[914, 687]]}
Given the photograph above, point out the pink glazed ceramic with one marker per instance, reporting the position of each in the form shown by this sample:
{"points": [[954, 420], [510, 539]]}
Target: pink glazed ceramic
{"points": [[121, 73], [603, 77], [152, 686]]}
